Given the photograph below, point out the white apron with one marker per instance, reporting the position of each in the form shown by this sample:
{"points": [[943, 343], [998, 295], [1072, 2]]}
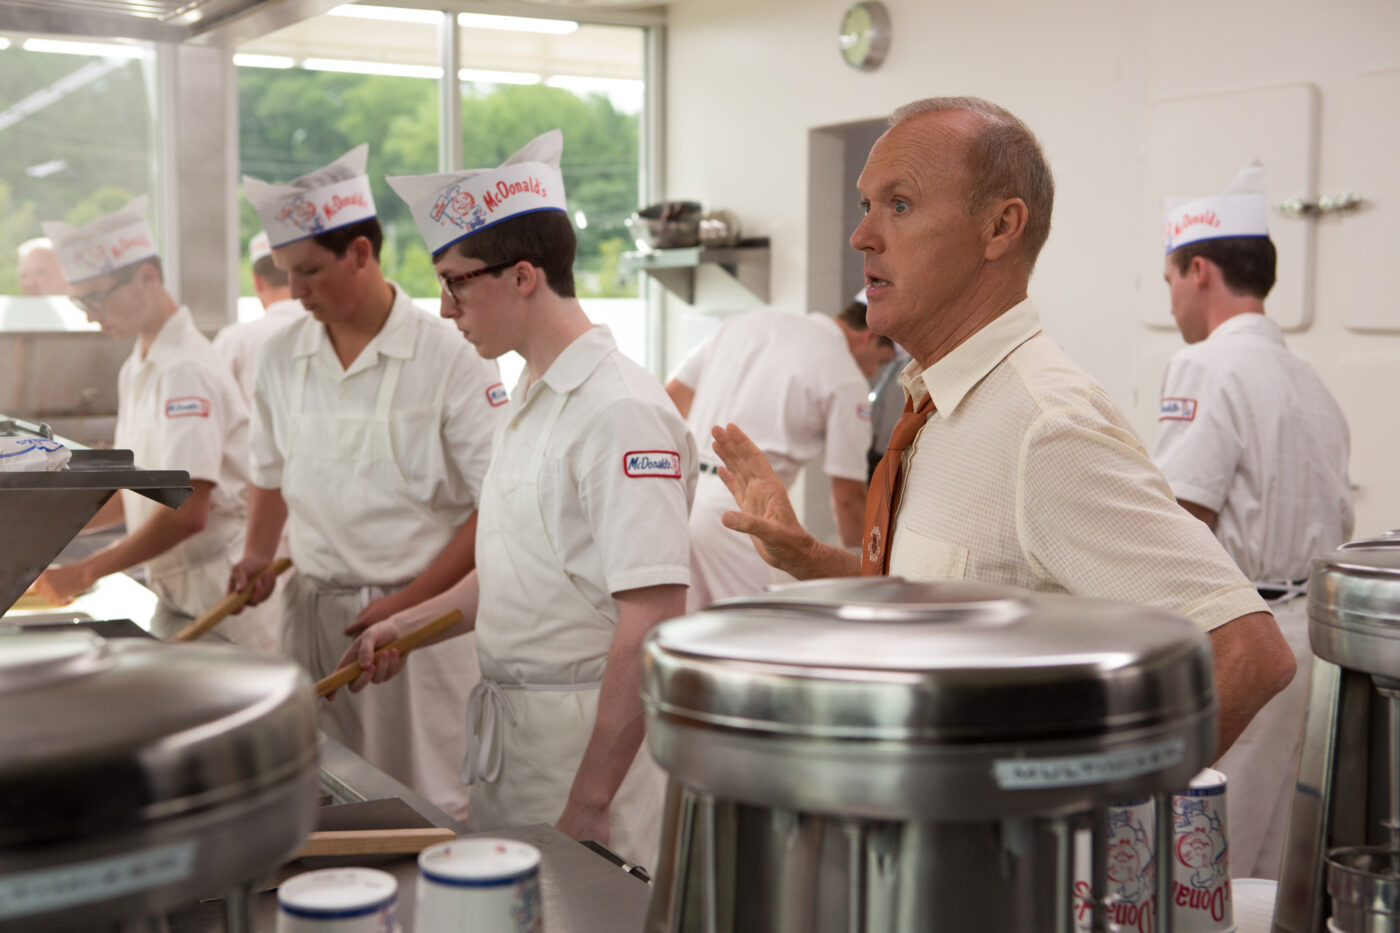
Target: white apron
{"points": [[1261, 767], [412, 726], [526, 739]]}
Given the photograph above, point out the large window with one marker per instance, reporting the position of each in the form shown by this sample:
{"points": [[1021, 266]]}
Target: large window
{"points": [[361, 73], [76, 137]]}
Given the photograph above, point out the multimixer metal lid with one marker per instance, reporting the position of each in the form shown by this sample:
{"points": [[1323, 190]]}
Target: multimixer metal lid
{"points": [[950, 677], [102, 737], [1354, 606]]}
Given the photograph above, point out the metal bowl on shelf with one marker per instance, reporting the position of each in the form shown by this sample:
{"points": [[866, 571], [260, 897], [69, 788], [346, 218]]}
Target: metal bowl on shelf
{"points": [[666, 225]]}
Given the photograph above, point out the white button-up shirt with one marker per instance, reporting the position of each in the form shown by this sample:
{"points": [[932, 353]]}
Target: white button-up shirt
{"points": [[239, 344], [1028, 474], [443, 410], [589, 490], [179, 409], [1249, 431], [791, 383]]}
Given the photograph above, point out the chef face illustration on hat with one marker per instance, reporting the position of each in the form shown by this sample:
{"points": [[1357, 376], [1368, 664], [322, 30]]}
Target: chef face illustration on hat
{"points": [[1240, 211], [454, 205], [331, 197], [111, 242]]}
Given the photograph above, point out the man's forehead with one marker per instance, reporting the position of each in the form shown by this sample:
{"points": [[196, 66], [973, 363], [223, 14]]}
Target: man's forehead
{"points": [[916, 151], [454, 263], [289, 255], [94, 285]]}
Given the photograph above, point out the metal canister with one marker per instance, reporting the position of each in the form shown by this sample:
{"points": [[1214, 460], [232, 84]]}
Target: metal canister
{"points": [[139, 776], [886, 755]]}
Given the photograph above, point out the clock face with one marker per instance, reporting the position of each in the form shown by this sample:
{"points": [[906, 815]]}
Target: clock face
{"points": [[865, 35]]}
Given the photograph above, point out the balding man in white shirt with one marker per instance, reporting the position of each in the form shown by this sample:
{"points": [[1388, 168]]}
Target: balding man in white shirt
{"points": [[1255, 446], [1018, 467]]}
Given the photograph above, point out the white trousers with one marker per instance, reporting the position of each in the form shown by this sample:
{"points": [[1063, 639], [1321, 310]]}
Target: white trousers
{"points": [[1261, 767]]}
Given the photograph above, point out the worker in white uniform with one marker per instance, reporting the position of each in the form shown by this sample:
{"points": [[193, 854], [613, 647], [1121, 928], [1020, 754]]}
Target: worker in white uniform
{"points": [[796, 385], [177, 409], [239, 343], [583, 519], [1255, 446], [371, 434]]}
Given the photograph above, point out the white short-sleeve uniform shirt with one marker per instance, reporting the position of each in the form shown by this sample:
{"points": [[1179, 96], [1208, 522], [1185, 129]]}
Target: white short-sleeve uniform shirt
{"points": [[593, 474], [791, 383], [1249, 431], [178, 408], [239, 344], [439, 401]]}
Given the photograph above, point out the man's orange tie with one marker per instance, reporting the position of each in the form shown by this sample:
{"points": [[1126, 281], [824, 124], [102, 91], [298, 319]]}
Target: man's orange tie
{"points": [[883, 497]]}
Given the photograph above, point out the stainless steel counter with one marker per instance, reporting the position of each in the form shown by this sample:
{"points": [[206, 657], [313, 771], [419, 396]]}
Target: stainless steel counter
{"points": [[581, 891]]}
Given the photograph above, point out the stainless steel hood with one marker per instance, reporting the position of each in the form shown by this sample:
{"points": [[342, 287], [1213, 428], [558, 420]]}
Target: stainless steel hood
{"points": [[41, 512], [213, 22], [232, 22]]}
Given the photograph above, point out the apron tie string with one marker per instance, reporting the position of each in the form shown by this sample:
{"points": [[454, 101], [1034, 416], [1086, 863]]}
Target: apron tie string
{"points": [[486, 707]]}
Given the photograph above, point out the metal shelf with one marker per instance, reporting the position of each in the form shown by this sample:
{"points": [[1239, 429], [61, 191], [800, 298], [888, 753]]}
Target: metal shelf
{"points": [[676, 269]]}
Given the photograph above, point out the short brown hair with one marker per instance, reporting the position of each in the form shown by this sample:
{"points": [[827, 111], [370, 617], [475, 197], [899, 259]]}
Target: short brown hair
{"points": [[1249, 264], [339, 239], [268, 271], [1004, 160], [853, 316], [543, 238]]}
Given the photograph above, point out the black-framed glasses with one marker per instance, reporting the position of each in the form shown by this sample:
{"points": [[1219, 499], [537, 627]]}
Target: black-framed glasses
{"points": [[450, 283], [94, 303]]}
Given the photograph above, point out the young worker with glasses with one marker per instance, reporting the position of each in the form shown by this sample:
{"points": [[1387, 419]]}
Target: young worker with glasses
{"points": [[178, 408], [583, 519]]}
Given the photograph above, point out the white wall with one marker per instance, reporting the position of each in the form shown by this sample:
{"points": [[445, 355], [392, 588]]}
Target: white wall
{"points": [[748, 80]]}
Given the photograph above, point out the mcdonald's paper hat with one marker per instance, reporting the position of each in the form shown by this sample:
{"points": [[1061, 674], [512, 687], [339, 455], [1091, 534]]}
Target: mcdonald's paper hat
{"points": [[259, 247], [453, 206], [327, 199], [1242, 210], [111, 242]]}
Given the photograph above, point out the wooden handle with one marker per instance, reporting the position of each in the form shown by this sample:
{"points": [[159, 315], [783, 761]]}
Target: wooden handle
{"points": [[402, 645], [228, 604], [372, 842]]}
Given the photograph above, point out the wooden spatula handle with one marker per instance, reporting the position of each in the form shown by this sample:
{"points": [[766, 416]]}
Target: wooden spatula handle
{"points": [[402, 645]]}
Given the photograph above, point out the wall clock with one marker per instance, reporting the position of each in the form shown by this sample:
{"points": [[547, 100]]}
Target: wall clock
{"points": [[865, 35]]}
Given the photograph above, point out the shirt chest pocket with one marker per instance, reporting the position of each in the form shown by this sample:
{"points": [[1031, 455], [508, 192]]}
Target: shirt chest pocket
{"points": [[413, 437], [918, 556]]}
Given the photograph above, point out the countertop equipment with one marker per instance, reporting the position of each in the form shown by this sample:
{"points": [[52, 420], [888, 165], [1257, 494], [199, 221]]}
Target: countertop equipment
{"points": [[881, 755], [41, 512], [139, 776], [1344, 826], [135, 776]]}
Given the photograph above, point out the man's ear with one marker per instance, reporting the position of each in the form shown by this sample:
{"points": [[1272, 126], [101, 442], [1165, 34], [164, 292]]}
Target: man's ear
{"points": [[1200, 271], [1005, 228], [527, 277], [362, 250]]}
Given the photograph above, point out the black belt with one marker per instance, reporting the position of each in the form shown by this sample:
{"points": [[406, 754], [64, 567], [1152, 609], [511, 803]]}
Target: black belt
{"points": [[1272, 592]]}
